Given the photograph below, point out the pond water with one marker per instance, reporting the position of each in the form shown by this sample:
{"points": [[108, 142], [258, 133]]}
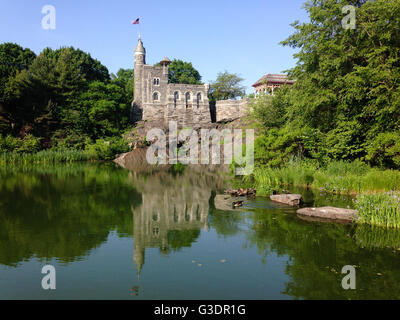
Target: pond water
{"points": [[112, 233]]}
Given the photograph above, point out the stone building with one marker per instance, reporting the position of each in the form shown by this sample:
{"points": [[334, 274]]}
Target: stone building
{"points": [[157, 99], [270, 82]]}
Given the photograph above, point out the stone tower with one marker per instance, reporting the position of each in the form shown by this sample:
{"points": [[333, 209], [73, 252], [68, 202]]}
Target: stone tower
{"points": [[155, 98], [140, 61]]}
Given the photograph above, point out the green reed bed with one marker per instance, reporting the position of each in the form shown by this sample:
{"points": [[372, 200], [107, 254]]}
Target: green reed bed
{"points": [[45, 157], [336, 177], [381, 209]]}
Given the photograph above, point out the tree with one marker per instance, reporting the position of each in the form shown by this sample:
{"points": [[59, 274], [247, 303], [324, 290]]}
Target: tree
{"points": [[124, 79], [13, 58], [42, 99], [348, 81], [106, 109], [183, 72], [227, 86], [91, 69]]}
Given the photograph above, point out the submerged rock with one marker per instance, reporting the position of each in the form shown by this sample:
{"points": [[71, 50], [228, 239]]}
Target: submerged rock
{"points": [[330, 213], [289, 199]]}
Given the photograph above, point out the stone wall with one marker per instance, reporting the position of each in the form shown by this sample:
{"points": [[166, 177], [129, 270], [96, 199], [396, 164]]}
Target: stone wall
{"points": [[192, 114], [229, 110]]}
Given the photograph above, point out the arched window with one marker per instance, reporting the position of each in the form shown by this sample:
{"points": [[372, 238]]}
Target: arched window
{"points": [[156, 81], [155, 96], [176, 97], [198, 99], [187, 98]]}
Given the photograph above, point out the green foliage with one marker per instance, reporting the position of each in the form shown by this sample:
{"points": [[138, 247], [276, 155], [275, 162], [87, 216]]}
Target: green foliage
{"points": [[107, 149], [381, 209], [227, 86], [385, 150], [336, 177], [102, 111], [45, 157], [63, 96], [345, 102], [124, 79], [29, 144], [13, 58], [183, 72]]}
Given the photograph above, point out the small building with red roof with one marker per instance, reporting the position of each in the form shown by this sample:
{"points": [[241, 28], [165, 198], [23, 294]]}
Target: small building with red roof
{"points": [[270, 82]]}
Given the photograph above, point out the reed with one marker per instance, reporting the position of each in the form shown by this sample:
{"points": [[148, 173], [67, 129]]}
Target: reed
{"points": [[336, 177], [45, 157], [382, 209]]}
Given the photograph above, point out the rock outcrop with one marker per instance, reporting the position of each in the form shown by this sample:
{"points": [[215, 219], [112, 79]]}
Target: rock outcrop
{"points": [[329, 213], [289, 199]]}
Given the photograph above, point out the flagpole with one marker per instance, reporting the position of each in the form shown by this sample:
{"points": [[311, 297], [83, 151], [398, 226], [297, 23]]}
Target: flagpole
{"points": [[139, 27]]}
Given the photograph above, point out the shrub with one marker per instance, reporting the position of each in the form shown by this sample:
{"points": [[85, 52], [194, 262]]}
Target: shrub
{"points": [[29, 144], [107, 149]]}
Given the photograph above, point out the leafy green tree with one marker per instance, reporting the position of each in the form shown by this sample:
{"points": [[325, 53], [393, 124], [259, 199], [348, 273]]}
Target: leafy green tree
{"points": [[227, 86], [124, 79], [183, 72], [13, 58], [43, 98], [348, 81], [106, 108]]}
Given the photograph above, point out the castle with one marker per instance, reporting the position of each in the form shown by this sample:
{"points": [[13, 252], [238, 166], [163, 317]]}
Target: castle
{"points": [[157, 99], [187, 104]]}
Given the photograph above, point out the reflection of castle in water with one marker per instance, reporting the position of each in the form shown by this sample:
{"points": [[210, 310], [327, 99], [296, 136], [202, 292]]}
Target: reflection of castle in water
{"points": [[171, 205]]}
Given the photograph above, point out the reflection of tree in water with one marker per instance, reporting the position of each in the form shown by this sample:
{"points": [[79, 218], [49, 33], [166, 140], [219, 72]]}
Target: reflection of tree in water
{"points": [[173, 211], [318, 251], [62, 212]]}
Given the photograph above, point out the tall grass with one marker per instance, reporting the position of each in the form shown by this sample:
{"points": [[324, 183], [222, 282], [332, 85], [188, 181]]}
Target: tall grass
{"points": [[337, 177], [382, 209], [45, 157]]}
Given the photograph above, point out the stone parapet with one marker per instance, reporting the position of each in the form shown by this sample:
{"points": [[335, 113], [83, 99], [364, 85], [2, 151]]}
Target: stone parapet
{"points": [[229, 110]]}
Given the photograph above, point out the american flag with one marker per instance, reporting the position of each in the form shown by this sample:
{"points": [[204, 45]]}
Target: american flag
{"points": [[135, 21]]}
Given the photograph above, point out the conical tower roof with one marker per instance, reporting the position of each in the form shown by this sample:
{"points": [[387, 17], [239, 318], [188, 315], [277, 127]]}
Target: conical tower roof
{"points": [[140, 48]]}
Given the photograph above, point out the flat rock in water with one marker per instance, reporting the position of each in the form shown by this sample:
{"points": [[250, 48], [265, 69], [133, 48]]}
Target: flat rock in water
{"points": [[289, 199], [330, 213]]}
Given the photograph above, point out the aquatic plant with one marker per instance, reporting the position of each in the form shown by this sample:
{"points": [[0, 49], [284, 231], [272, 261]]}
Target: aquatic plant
{"points": [[45, 157], [382, 209], [336, 177]]}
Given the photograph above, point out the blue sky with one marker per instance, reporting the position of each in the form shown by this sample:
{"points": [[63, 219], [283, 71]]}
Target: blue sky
{"points": [[215, 35]]}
